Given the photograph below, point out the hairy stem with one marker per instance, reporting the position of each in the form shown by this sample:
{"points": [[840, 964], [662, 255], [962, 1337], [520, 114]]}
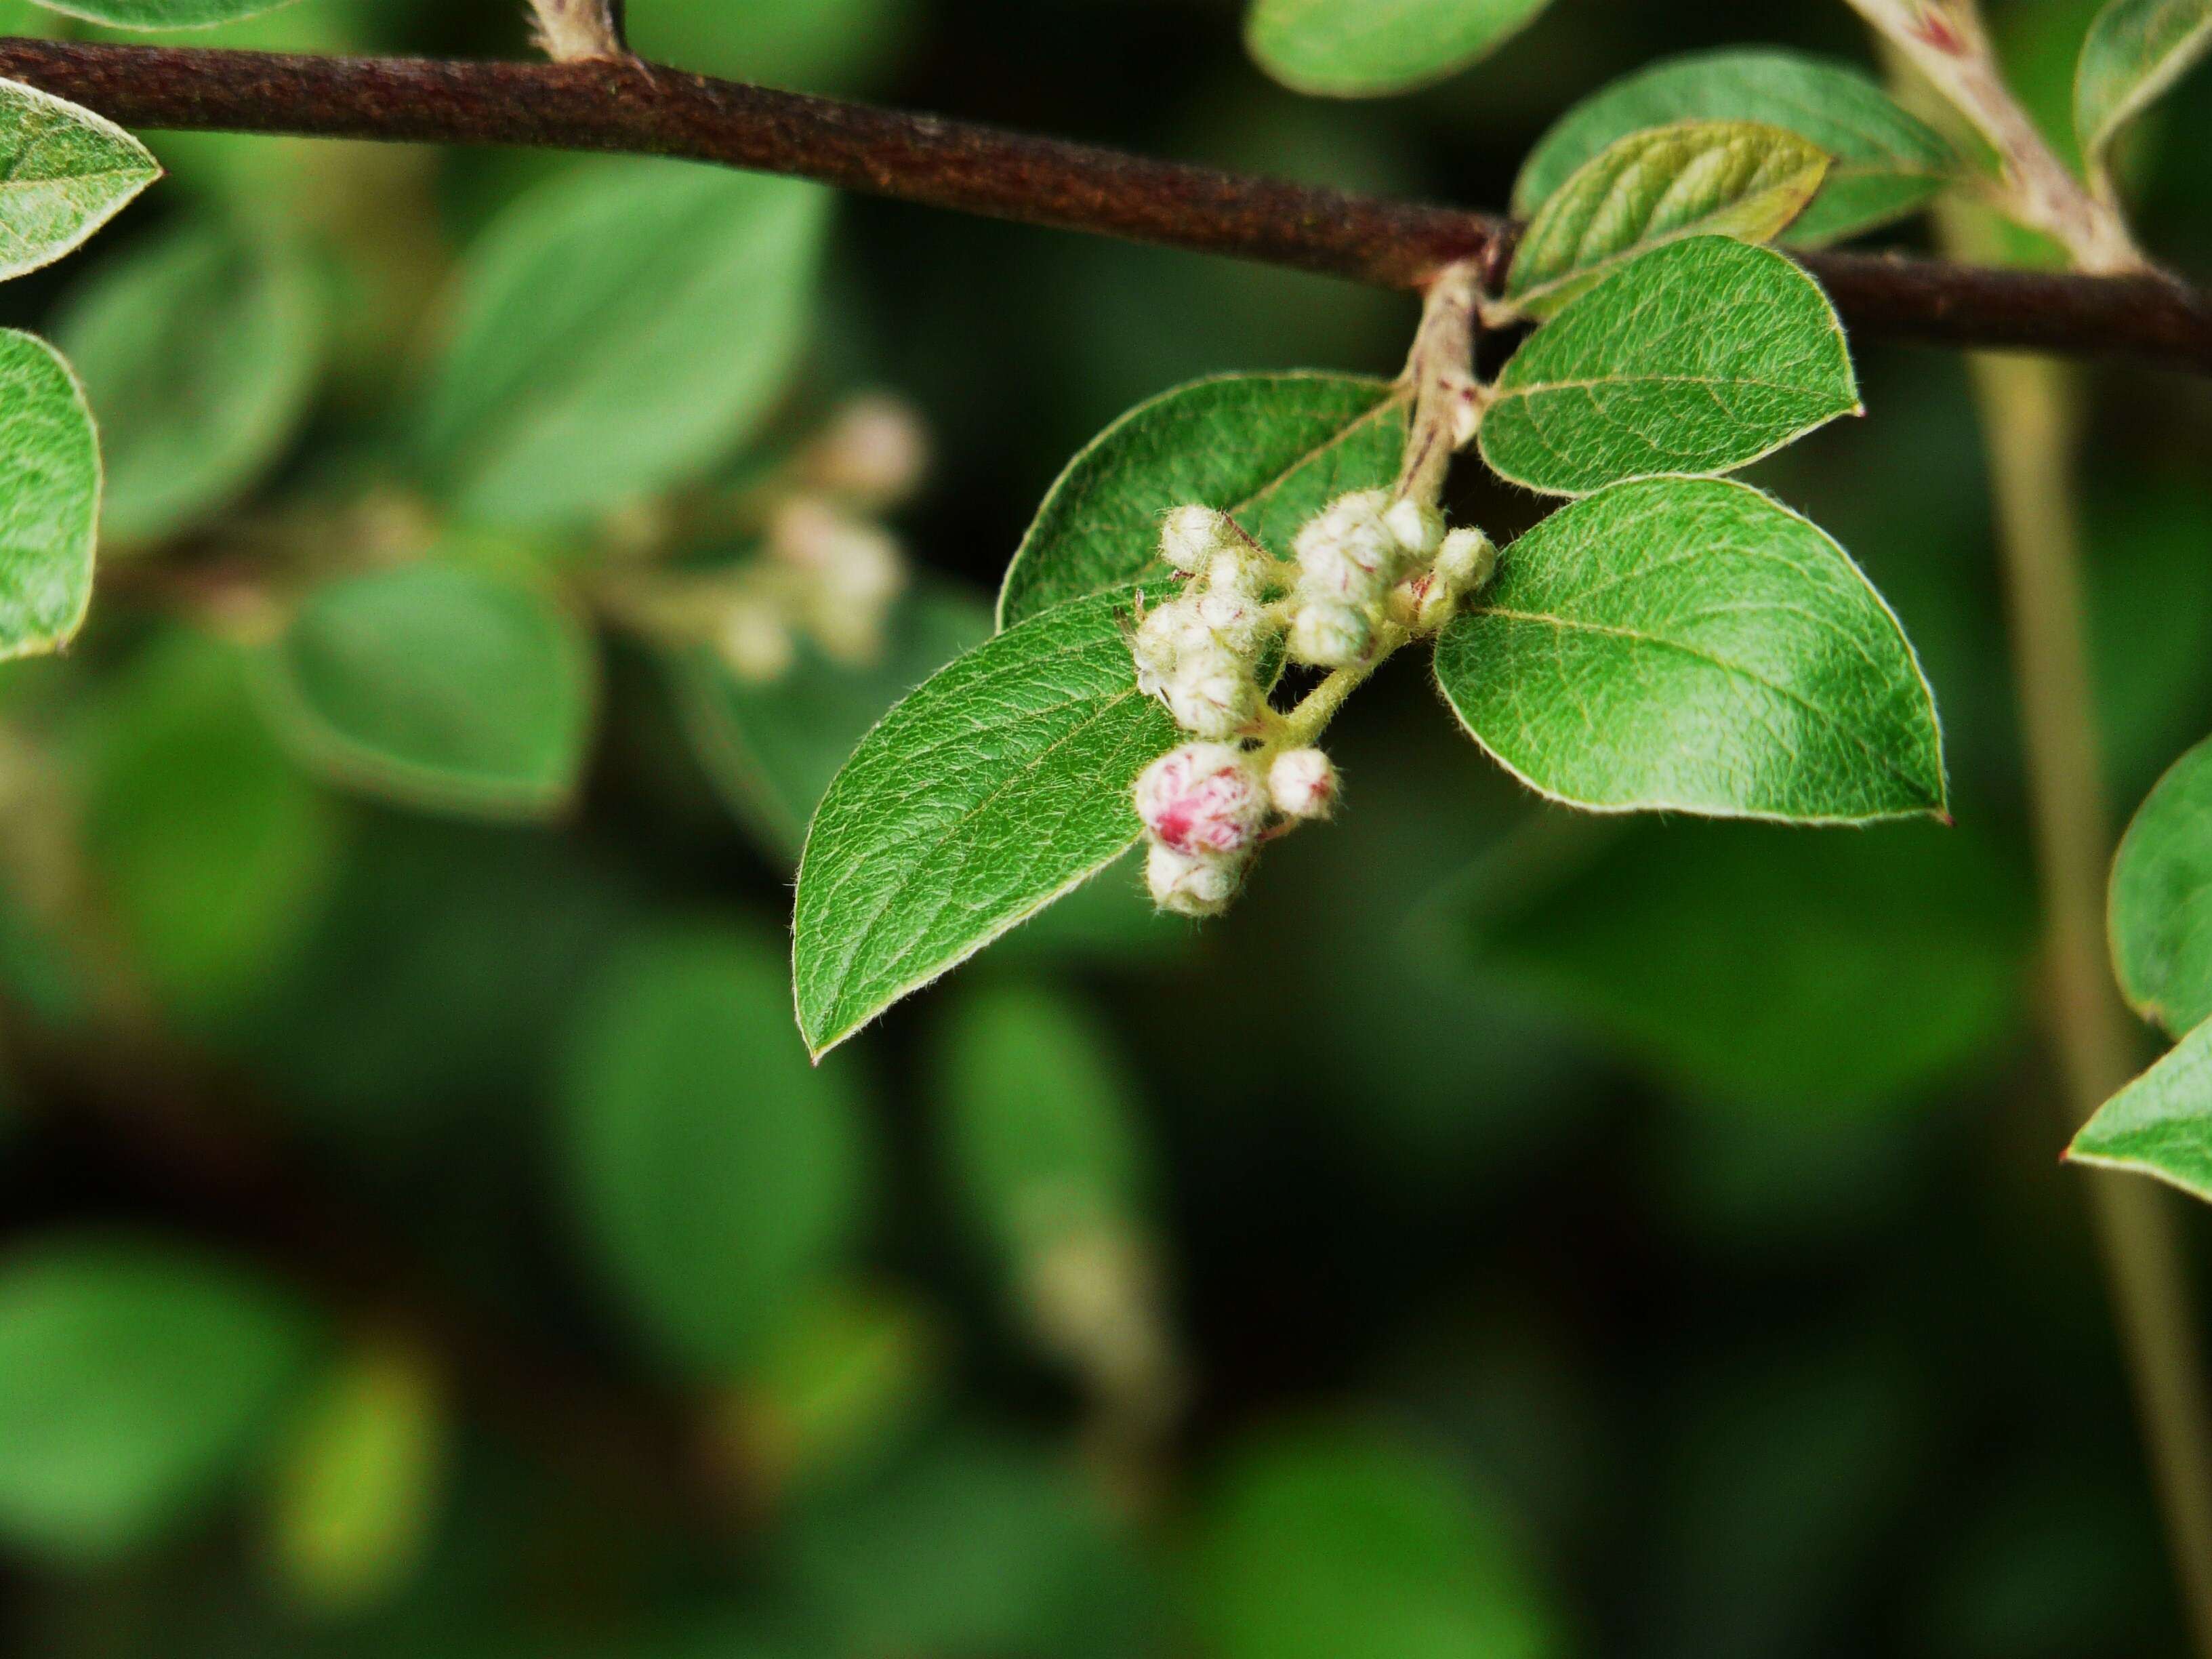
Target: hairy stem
{"points": [[629, 107]]}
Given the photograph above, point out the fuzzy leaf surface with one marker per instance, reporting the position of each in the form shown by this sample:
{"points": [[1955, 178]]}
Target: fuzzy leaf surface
{"points": [[2162, 899], [49, 498], [1885, 163], [1722, 178], [1271, 450], [67, 172], [1367, 48], [2161, 1125], [2135, 52], [439, 686], [199, 354], [1699, 356], [1691, 644], [999, 786], [618, 330]]}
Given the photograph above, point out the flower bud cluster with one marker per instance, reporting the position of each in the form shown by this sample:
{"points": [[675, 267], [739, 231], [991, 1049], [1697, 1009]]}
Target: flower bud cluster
{"points": [[1366, 559], [1208, 806], [1199, 652]]}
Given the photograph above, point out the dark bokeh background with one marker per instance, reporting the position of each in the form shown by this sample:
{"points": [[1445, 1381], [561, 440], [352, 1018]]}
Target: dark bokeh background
{"points": [[1637, 1239]]}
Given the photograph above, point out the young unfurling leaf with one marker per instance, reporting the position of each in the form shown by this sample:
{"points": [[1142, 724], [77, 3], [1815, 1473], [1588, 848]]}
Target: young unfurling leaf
{"points": [[1699, 357], [1268, 449], [2161, 1125], [2161, 900], [1689, 645], [2135, 52], [1722, 178], [1885, 162], [1001, 784], [1366, 48], [67, 172]]}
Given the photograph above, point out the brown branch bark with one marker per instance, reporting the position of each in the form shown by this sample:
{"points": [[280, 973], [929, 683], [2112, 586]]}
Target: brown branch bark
{"points": [[634, 109]]}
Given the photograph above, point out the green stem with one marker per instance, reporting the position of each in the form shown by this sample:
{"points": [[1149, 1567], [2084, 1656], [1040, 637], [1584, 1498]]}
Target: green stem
{"points": [[1306, 722]]}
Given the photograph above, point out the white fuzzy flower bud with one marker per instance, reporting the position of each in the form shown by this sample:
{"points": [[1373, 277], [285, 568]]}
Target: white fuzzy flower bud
{"points": [[1236, 621], [1192, 885], [1239, 570], [1466, 560], [1416, 527], [1330, 634], [873, 452], [1191, 536], [1213, 697], [1301, 784], [1204, 798]]}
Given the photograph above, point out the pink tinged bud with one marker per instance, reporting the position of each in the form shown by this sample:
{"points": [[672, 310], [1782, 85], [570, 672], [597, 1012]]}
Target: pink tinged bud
{"points": [[1192, 883], [1421, 602], [1191, 536], [1204, 798], [852, 563], [1301, 784], [1234, 621], [874, 453], [1213, 702]]}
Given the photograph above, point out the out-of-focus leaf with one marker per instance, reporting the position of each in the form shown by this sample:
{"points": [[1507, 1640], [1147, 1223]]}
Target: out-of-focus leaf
{"points": [[1040, 1127], [136, 1381], [199, 355], [2161, 1125], [437, 685], [212, 850], [771, 748], [356, 1489], [617, 332], [2136, 51], [999, 787], [715, 1175], [1331, 1542], [1691, 644], [1693, 177], [2162, 899], [69, 172], [161, 14], [1366, 48], [1887, 163], [1798, 973], [49, 498], [825, 46], [1699, 357], [972, 1545], [1270, 449]]}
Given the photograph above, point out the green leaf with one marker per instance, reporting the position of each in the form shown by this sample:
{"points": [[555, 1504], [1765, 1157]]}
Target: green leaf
{"points": [[67, 172], [437, 685], [1001, 784], [1726, 177], [1366, 48], [135, 1380], [1689, 645], [1699, 357], [1040, 1123], [772, 748], [1271, 449], [1330, 1542], [714, 1174], [213, 853], [161, 14], [2136, 50], [2161, 1125], [1794, 976], [2162, 899], [49, 498], [1885, 163], [199, 354], [619, 331]]}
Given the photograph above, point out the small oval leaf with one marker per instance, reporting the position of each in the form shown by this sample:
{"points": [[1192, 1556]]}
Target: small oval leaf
{"points": [[161, 14], [439, 686], [1689, 645], [1366, 48], [67, 172], [2135, 52], [49, 498], [999, 786], [1721, 178], [1885, 163], [1699, 357], [1270, 449], [2161, 1125], [2162, 899]]}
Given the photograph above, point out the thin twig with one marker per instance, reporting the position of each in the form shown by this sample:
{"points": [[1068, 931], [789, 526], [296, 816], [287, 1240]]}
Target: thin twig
{"points": [[631, 108]]}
